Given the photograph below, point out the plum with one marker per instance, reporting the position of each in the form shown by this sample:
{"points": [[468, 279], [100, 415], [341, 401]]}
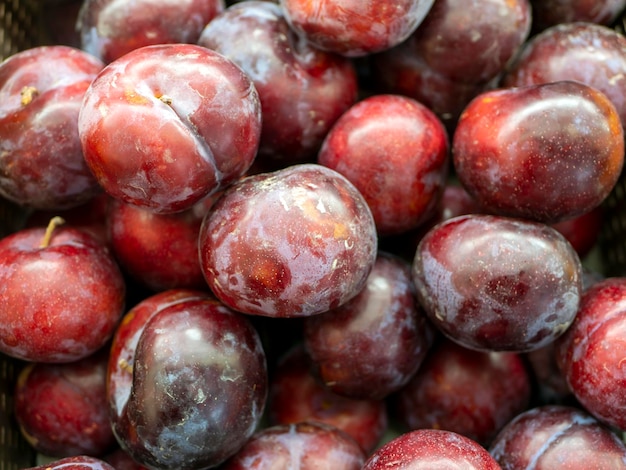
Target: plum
{"points": [[461, 390], [62, 292], [297, 395], [41, 160], [355, 28], [303, 90], [108, 29], [371, 346], [425, 449], [305, 446], [591, 353], [290, 243], [167, 125], [554, 436], [547, 152], [394, 146], [61, 408], [495, 283], [198, 388]]}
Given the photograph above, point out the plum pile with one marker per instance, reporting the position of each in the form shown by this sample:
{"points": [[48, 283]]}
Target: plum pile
{"points": [[346, 234]]}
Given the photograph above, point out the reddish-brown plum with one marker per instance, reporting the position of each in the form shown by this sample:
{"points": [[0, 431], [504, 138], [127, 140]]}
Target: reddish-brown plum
{"points": [[591, 353], [297, 394], [121, 460], [355, 28], [80, 462], [426, 449], [498, 284], [547, 13], [302, 89], [589, 53], [395, 151], [199, 385], [550, 437], [165, 126], [305, 446], [41, 160], [61, 409], [472, 41], [546, 152], [159, 251], [110, 28], [463, 390], [371, 346], [290, 243], [62, 294]]}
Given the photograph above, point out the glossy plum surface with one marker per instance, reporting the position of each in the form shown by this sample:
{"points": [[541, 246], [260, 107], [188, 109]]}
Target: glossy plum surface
{"points": [[159, 251], [305, 446], [297, 395], [591, 352], [431, 448], [551, 437], [165, 126], [462, 390], [394, 146], [60, 301], [372, 345], [498, 284], [109, 28], [546, 152], [290, 243], [285, 70], [199, 385], [355, 27], [41, 160], [62, 408], [589, 53], [80, 462], [472, 41]]}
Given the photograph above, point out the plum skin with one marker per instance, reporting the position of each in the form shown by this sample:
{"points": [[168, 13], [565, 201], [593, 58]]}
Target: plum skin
{"points": [[546, 152], [41, 160], [165, 126], [355, 28], [62, 302], [394, 146], [285, 70], [199, 386], [591, 353], [290, 243], [557, 436], [496, 283], [372, 345]]}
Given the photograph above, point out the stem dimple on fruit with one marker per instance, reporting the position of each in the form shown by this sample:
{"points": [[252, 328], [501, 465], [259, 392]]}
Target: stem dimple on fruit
{"points": [[27, 94], [52, 225]]}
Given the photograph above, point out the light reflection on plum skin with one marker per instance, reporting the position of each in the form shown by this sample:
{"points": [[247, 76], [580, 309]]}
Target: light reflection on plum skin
{"points": [[495, 283], [199, 385]]}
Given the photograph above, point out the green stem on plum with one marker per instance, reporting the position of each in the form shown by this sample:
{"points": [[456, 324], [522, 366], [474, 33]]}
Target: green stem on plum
{"points": [[52, 225]]}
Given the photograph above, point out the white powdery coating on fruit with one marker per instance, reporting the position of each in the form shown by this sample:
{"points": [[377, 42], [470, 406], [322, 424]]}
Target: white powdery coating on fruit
{"points": [[437, 289]]}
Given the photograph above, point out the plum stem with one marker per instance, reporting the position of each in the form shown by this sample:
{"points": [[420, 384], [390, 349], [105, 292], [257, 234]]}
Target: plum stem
{"points": [[52, 225], [27, 94]]}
